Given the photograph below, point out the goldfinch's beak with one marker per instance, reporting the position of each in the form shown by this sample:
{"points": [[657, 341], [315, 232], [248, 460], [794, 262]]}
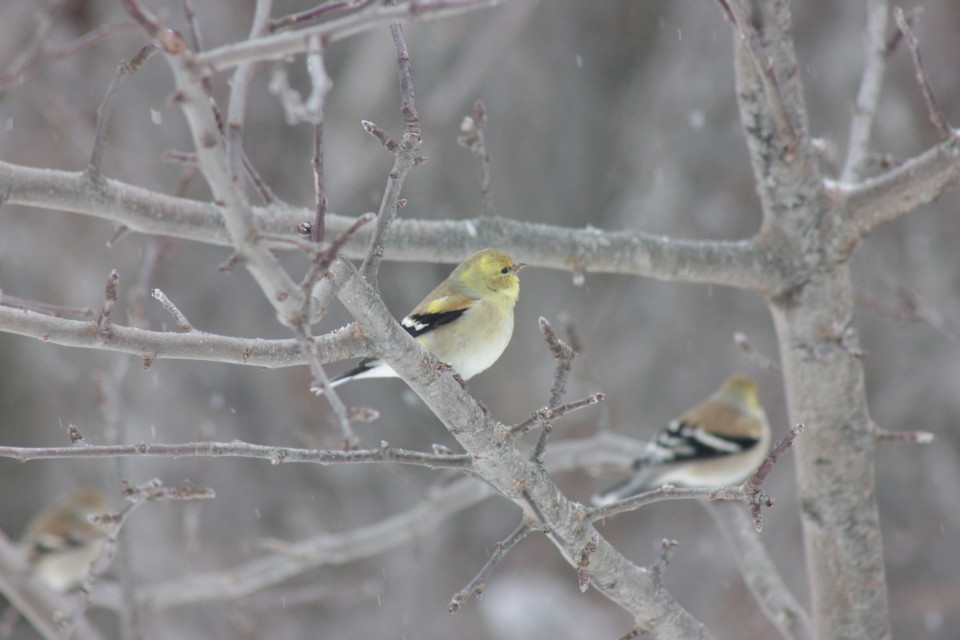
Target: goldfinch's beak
{"points": [[520, 265]]}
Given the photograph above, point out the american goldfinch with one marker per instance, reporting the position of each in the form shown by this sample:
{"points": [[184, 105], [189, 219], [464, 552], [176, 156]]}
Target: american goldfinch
{"points": [[62, 542], [466, 321], [718, 442]]}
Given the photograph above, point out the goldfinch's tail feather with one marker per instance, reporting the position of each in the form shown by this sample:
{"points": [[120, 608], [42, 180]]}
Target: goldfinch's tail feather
{"points": [[368, 368], [635, 483]]}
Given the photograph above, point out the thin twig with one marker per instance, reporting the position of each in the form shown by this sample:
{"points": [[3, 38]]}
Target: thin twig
{"points": [[546, 414], [278, 24], [764, 362], [868, 95], [215, 163], [585, 367], [182, 323], [321, 384], [472, 138], [55, 310], [282, 45], [911, 16], [752, 485], [269, 197], [193, 24], [309, 109], [406, 156], [500, 550], [316, 233], [169, 40], [937, 117], [239, 89], [109, 299], [904, 437], [105, 111], [35, 46], [667, 547], [76, 438], [320, 266], [564, 356], [31, 61]]}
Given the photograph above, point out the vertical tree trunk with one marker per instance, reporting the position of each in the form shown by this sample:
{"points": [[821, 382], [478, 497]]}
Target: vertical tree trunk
{"points": [[823, 376]]}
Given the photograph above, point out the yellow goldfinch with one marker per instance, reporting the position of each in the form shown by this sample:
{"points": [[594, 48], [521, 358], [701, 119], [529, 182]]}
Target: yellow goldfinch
{"points": [[466, 321], [718, 442], [62, 542]]}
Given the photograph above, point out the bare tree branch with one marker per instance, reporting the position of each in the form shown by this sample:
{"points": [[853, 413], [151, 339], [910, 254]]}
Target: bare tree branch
{"points": [[281, 45], [105, 111], [937, 117], [886, 197], [239, 88], [237, 449], [760, 572], [292, 559], [508, 469], [868, 95], [198, 345], [479, 581], [733, 263], [406, 156], [216, 166]]}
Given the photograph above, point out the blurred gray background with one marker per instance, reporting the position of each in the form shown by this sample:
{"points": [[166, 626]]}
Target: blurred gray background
{"points": [[615, 114]]}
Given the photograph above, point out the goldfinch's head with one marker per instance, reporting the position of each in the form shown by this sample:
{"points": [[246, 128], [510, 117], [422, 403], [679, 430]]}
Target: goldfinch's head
{"points": [[69, 517], [741, 392], [490, 271]]}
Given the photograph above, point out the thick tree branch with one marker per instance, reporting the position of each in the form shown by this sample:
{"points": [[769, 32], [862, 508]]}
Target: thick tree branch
{"points": [[886, 197], [214, 162], [504, 466], [783, 160], [733, 263]]}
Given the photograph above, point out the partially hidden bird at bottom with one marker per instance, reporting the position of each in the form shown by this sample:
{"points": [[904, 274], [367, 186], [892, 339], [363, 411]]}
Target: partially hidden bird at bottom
{"points": [[62, 541], [718, 442]]}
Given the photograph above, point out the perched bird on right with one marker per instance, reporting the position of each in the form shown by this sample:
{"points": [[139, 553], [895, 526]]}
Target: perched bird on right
{"points": [[720, 441], [62, 541]]}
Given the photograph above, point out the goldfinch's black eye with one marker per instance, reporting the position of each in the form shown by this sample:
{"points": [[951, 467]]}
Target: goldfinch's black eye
{"points": [[505, 270]]}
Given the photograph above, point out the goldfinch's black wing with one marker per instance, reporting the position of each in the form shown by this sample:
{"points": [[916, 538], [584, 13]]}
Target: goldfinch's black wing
{"points": [[420, 323], [441, 311], [682, 441], [423, 319], [415, 325]]}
